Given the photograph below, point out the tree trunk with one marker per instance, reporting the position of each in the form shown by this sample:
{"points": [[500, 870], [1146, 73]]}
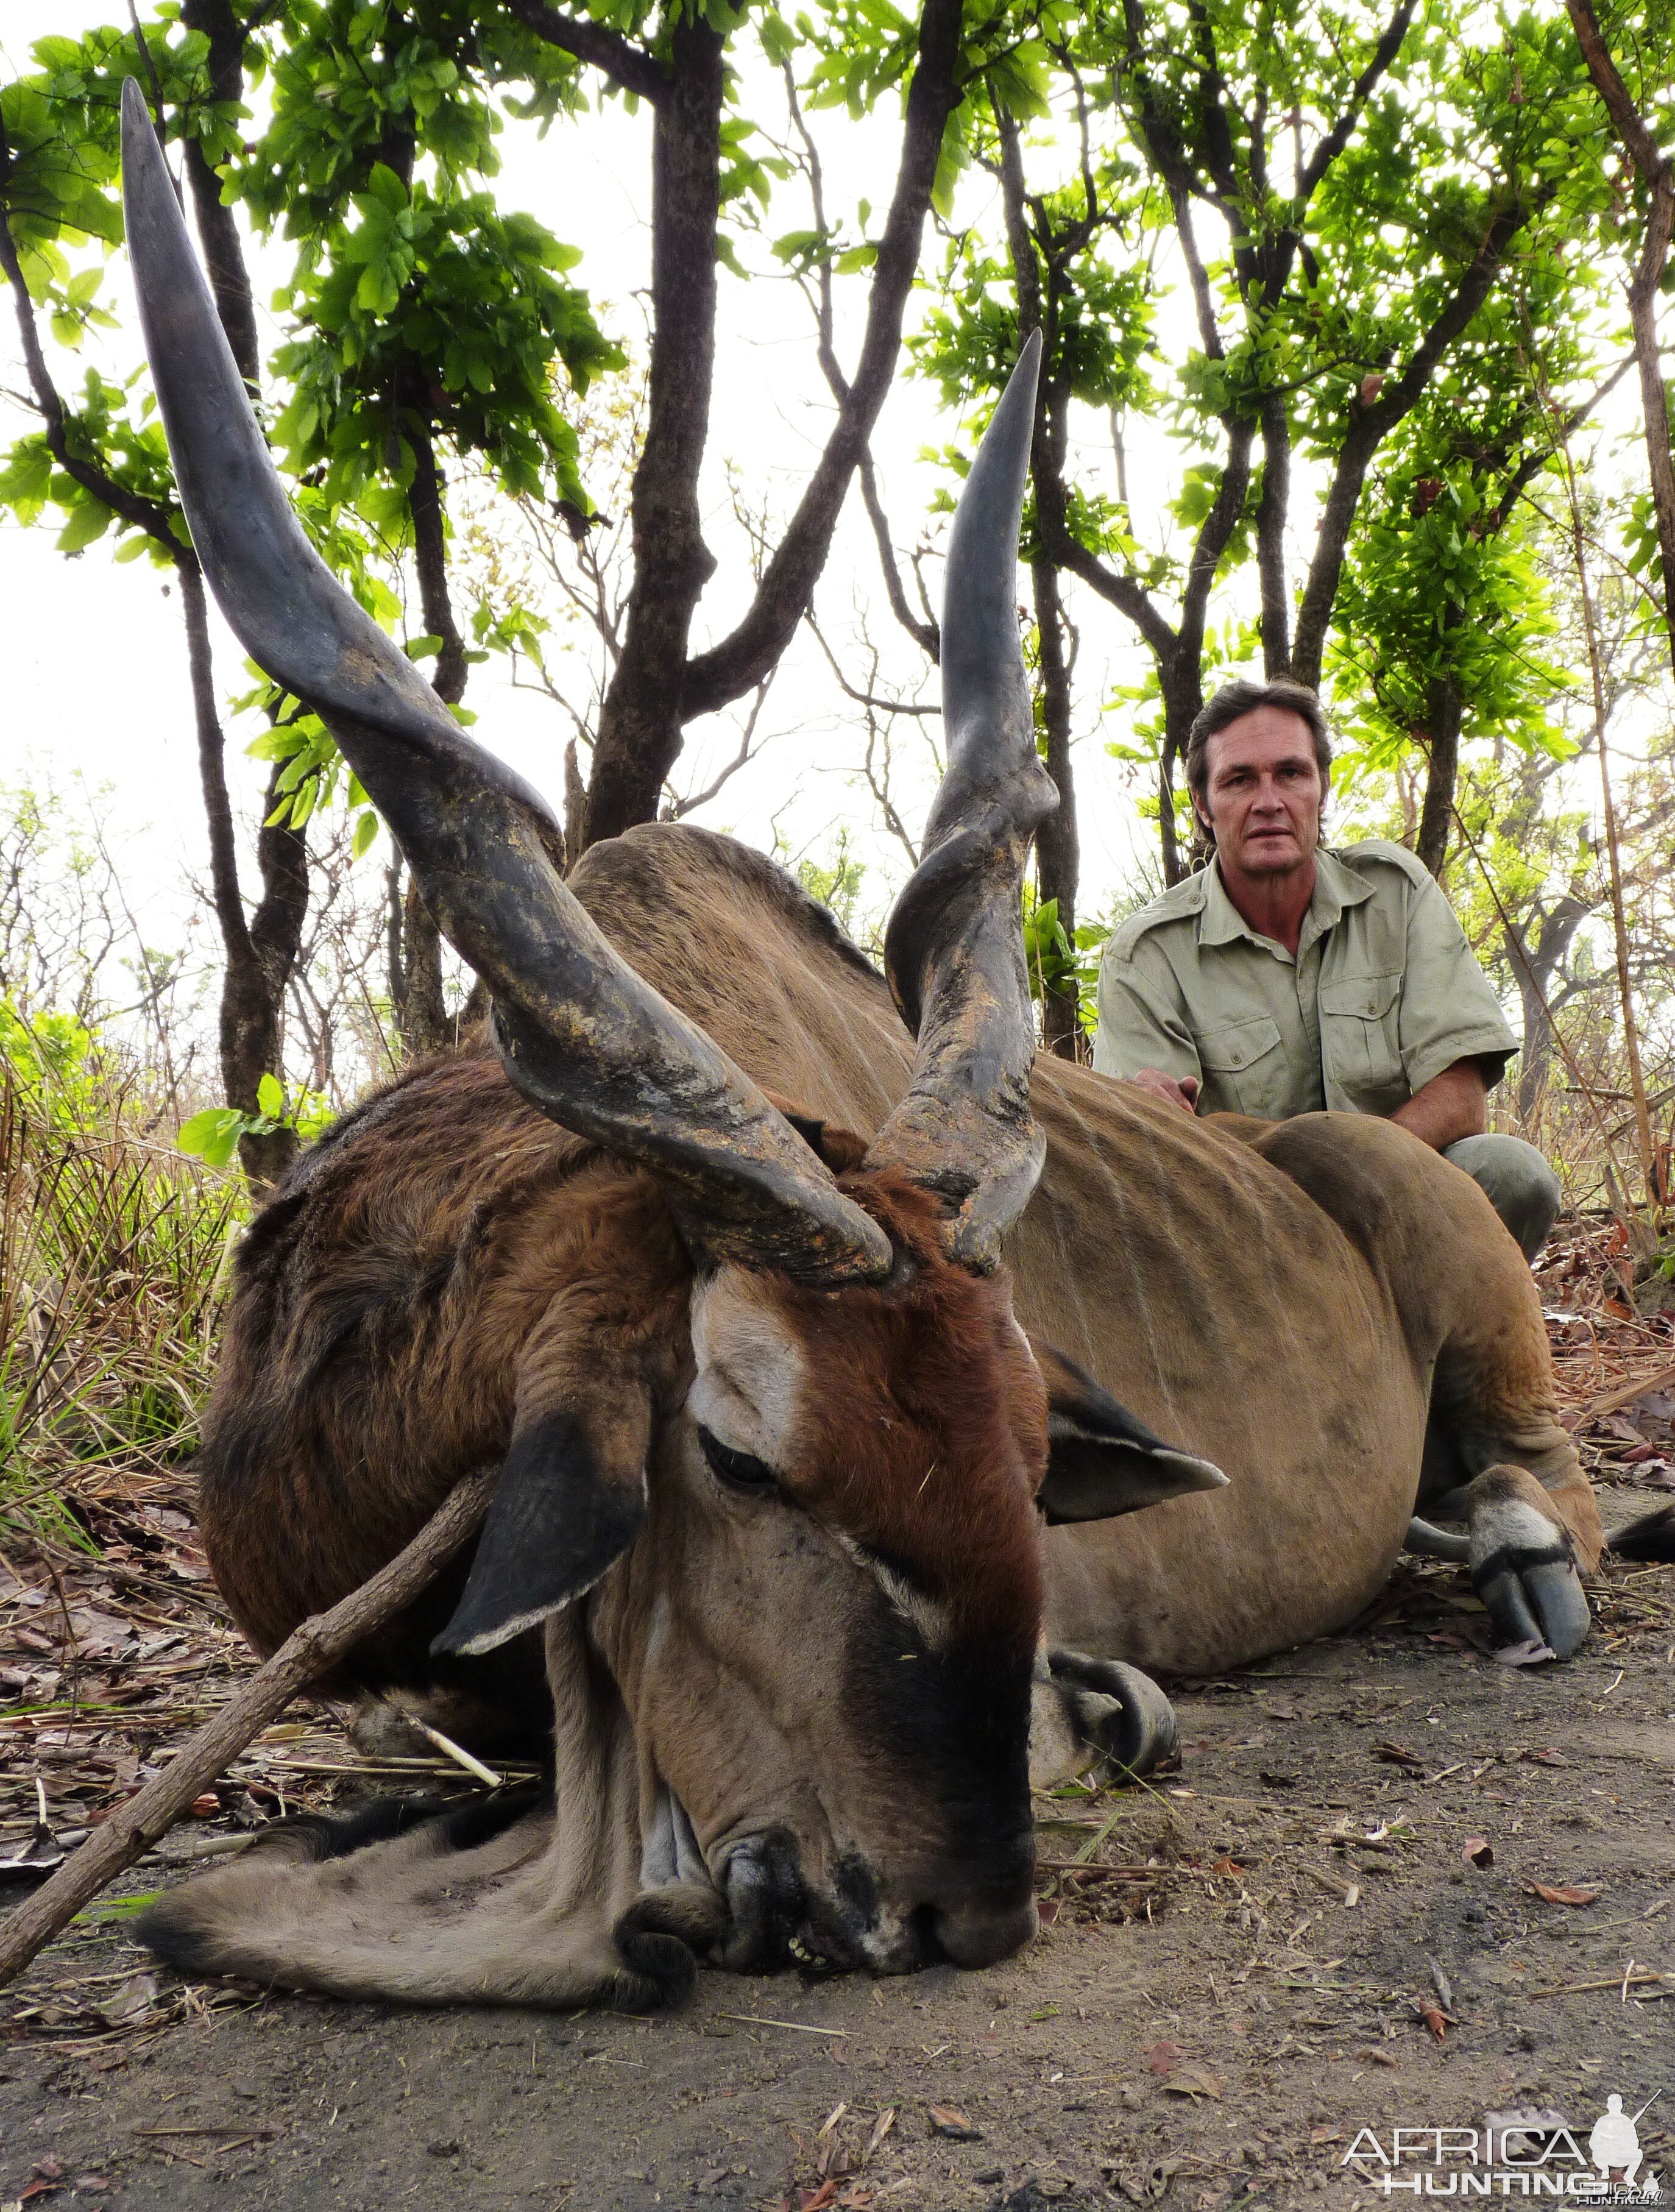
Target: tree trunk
{"points": [[422, 1019], [1271, 517], [1657, 173], [1058, 851], [252, 1025], [430, 556], [1643, 295], [261, 950], [1534, 972], [217, 230], [1181, 679], [396, 968], [640, 723], [1444, 713]]}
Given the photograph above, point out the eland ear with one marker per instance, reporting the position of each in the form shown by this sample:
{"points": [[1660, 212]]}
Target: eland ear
{"points": [[1101, 1459], [566, 1507]]}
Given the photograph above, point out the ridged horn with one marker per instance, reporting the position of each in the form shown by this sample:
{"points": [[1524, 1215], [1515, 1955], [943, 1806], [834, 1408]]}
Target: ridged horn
{"points": [[581, 1035], [954, 949]]}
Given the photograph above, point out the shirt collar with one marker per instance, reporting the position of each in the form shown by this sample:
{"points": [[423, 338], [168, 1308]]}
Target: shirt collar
{"points": [[1337, 885]]}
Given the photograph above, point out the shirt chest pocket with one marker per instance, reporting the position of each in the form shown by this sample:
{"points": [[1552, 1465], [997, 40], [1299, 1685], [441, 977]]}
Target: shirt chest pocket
{"points": [[1361, 1040], [1244, 1067]]}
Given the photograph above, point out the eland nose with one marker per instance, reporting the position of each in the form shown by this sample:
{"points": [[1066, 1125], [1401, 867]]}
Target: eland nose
{"points": [[989, 1911], [976, 1936]]}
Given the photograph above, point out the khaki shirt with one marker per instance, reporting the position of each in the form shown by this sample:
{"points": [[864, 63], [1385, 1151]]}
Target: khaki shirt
{"points": [[1383, 995]]}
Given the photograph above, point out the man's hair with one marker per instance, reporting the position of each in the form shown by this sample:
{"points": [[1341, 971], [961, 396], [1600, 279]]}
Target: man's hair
{"points": [[1243, 697]]}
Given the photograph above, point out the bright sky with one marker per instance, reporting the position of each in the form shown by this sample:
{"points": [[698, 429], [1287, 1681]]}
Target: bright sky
{"points": [[93, 675], [93, 679]]}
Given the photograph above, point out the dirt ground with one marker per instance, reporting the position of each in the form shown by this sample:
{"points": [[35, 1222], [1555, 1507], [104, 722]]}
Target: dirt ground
{"points": [[1391, 1883], [1246, 1964]]}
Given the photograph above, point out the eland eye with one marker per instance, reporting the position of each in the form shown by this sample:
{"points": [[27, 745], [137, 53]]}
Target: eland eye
{"points": [[736, 1470]]}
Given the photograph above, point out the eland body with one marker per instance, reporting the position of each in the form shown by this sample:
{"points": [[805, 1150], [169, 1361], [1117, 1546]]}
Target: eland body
{"points": [[820, 1346]]}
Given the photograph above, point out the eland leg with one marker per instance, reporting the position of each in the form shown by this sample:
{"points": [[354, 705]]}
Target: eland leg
{"points": [[1531, 1527]]}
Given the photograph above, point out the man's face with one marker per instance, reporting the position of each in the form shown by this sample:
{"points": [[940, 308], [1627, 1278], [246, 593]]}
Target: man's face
{"points": [[1265, 792]]}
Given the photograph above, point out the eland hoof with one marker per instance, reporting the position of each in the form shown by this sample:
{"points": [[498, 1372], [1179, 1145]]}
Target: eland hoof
{"points": [[1116, 1709], [1523, 1569]]}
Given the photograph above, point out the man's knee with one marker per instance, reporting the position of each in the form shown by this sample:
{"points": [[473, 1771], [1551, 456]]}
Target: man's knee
{"points": [[1516, 1181]]}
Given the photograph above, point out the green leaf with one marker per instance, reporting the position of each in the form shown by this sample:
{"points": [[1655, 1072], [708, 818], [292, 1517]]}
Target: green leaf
{"points": [[366, 831], [271, 1097], [388, 186], [212, 1135], [89, 519]]}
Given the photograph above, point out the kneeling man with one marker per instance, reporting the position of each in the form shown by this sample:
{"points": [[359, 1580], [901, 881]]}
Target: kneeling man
{"points": [[1285, 978]]}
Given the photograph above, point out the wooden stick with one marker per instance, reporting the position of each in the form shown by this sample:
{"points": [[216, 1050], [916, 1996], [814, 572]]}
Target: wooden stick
{"points": [[306, 1655], [1614, 1401]]}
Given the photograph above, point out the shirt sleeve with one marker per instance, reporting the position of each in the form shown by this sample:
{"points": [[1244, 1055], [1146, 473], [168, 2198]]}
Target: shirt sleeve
{"points": [[1139, 1024], [1448, 1011]]}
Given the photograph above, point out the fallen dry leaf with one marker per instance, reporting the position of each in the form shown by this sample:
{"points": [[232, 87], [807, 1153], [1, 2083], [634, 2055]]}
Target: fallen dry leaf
{"points": [[1434, 2019], [1561, 1893], [1047, 1911], [881, 2128], [1163, 2057], [1478, 1851], [816, 2200], [1325, 2134], [1189, 2081], [130, 2002], [946, 2121]]}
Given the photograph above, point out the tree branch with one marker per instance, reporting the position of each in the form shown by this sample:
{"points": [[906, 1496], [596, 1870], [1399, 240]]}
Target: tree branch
{"points": [[217, 230], [142, 513], [1658, 173], [1339, 137], [306, 1655], [865, 698], [1640, 146], [782, 598], [1271, 515], [640, 722], [925, 633], [678, 809], [1369, 425], [628, 66]]}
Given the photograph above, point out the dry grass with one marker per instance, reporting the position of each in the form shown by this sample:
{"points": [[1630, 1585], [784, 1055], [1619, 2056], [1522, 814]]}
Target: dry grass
{"points": [[113, 1251]]}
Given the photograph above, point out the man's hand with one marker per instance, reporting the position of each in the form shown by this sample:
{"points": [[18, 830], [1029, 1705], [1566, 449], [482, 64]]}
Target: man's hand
{"points": [[1184, 1093], [1448, 1108]]}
